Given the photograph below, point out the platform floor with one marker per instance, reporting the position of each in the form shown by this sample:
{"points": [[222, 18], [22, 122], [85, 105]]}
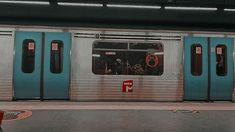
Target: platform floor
{"points": [[121, 117]]}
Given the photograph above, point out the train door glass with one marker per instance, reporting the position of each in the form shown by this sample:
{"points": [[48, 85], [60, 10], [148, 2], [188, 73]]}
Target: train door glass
{"points": [[208, 68], [56, 56], [196, 60], [127, 58], [28, 56], [42, 65]]}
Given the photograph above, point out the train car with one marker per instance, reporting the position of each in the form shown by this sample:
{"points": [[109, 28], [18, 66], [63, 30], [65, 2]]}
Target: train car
{"points": [[79, 64]]}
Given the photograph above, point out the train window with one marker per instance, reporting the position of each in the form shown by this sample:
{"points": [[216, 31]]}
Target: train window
{"points": [[145, 59], [28, 55], [132, 59], [56, 56], [108, 45], [221, 60], [196, 59], [143, 46]]}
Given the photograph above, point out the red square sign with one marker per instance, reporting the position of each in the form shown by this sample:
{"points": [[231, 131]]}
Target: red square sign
{"points": [[30, 46], [198, 50], [54, 46], [127, 86], [219, 51]]}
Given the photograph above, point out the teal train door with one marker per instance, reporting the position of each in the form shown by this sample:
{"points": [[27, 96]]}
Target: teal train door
{"points": [[195, 68], [42, 65], [27, 65], [208, 68], [221, 68], [56, 72]]}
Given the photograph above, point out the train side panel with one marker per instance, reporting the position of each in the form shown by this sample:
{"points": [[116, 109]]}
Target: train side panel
{"points": [[87, 86], [6, 64]]}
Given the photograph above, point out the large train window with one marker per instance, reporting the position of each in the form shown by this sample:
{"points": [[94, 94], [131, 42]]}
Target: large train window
{"points": [[196, 59], [56, 56], [28, 55], [127, 58], [221, 60]]}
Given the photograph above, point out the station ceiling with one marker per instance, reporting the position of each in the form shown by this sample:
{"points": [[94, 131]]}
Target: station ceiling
{"points": [[205, 15]]}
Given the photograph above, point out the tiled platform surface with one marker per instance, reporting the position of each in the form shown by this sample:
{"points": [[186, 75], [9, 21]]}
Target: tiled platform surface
{"points": [[122, 117]]}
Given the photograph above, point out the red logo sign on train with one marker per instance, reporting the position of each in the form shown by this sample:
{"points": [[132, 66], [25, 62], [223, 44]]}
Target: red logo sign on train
{"points": [[54, 46], [219, 51], [127, 86], [31, 46], [198, 50]]}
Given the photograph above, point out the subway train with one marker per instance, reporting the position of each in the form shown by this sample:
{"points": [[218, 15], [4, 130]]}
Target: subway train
{"points": [[89, 64]]}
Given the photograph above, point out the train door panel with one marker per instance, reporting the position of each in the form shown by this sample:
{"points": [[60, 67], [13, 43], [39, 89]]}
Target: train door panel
{"points": [[195, 68], [57, 66], [42, 65], [212, 77], [27, 63], [221, 68]]}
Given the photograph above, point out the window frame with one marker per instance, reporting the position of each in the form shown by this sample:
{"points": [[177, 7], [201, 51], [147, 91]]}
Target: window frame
{"points": [[128, 49]]}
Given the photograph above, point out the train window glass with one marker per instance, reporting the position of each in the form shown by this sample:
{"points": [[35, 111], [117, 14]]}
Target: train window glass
{"points": [[145, 59], [28, 55], [144, 46], [221, 60], [56, 60], [108, 45], [196, 59], [108, 62], [136, 59]]}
